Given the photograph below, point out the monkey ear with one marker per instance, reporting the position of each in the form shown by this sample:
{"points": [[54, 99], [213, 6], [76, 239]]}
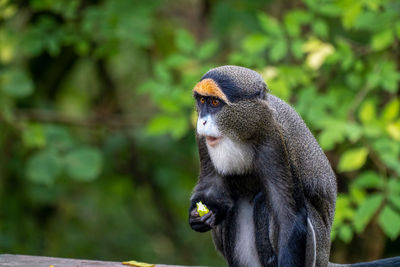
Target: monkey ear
{"points": [[311, 248]]}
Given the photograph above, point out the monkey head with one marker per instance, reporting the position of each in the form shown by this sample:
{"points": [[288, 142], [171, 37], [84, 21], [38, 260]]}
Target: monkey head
{"points": [[232, 116]]}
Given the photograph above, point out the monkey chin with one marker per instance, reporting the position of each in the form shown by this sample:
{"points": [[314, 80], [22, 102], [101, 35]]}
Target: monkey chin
{"points": [[212, 141], [230, 157]]}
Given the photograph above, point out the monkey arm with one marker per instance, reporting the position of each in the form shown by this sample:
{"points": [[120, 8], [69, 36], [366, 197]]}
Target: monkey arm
{"points": [[285, 199], [210, 192]]}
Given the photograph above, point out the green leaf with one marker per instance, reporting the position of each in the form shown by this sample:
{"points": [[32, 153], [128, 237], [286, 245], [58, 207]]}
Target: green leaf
{"points": [[398, 29], [382, 40], [320, 28], [351, 13], [255, 43], [278, 50], [367, 112], [373, 130], [395, 200], [177, 126], [334, 233], [344, 210], [389, 152], [169, 106], [353, 159], [366, 210], [44, 167], [330, 136], [84, 164], [58, 137], [389, 220], [160, 125], [394, 186], [390, 76], [280, 88], [162, 73], [207, 50], [353, 132], [16, 83], [368, 179], [354, 80], [294, 19], [393, 129], [270, 25], [325, 8], [391, 110], [345, 54], [180, 128], [176, 60], [346, 233], [297, 48], [33, 136], [185, 41], [357, 194]]}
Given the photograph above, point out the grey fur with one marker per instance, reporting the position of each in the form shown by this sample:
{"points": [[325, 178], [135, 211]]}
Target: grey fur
{"points": [[288, 162], [311, 245], [256, 121], [248, 80], [314, 170]]}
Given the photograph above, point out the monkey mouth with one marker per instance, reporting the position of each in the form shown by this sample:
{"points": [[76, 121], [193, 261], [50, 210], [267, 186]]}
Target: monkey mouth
{"points": [[212, 140]]}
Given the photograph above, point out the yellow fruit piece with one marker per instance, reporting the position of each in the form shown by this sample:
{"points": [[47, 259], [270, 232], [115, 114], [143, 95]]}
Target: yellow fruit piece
{"points": [[201, 209], [138, 264]]}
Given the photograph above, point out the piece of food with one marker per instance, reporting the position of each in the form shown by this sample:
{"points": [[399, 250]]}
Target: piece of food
{"points": [[201, 209], [138, 264]]}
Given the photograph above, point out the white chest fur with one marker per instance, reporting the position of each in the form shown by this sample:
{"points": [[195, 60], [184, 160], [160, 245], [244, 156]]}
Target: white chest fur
{"points": [[245, 250], [231, 157]]}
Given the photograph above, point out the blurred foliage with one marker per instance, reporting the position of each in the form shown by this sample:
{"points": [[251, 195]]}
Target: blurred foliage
{"points": [[98, 153]]}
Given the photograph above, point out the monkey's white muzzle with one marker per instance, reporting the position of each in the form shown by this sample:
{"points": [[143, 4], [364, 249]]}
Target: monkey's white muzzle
{"points": [[206, 126]]}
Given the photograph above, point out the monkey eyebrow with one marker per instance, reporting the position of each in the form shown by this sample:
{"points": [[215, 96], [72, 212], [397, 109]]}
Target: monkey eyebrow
{"points": [[208, 87], [197, 95]]}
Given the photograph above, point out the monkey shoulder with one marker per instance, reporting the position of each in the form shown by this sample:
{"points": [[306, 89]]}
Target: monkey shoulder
{"points": [[306, 155]]}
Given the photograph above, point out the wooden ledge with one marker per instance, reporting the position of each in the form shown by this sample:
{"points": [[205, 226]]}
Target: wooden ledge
{"points": [[10, 260]]}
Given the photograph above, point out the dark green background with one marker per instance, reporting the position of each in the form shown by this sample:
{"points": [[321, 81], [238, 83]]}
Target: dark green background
{"points": [[98, 156]]}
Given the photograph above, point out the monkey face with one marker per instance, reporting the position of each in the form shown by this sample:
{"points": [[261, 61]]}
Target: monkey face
{"points": [[231, 108], [207, 108], [228, 155], [219, 117]]}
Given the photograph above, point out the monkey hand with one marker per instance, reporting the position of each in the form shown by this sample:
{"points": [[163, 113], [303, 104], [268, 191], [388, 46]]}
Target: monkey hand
{"points": [[202, 223]]}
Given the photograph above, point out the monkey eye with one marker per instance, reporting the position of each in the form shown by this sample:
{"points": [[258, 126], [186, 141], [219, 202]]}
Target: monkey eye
{"points": [[215, 102], [202, 100]]}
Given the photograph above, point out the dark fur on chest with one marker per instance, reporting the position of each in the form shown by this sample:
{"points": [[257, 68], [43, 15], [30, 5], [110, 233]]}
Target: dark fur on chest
{"points": [[242, 186]]}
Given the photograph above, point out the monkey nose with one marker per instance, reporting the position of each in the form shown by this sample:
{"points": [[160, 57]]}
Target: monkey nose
{"points": [[204, 122]]}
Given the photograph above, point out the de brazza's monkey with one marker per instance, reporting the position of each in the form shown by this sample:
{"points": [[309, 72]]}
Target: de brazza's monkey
{"points": [[268, 185]]}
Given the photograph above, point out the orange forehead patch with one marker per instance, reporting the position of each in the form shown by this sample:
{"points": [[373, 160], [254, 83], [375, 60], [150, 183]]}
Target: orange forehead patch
{"points": [[208, 87]]}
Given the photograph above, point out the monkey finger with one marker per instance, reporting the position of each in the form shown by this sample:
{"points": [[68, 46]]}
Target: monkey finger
{"points": [[205, 217], [209, 219], [196, 220], [194, 213]]}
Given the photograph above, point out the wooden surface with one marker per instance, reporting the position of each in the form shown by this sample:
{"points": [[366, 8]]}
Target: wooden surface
{"points": [[10, 260]]}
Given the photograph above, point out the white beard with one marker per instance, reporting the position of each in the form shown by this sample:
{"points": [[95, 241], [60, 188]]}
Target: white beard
{"points": [[231, 157]]}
